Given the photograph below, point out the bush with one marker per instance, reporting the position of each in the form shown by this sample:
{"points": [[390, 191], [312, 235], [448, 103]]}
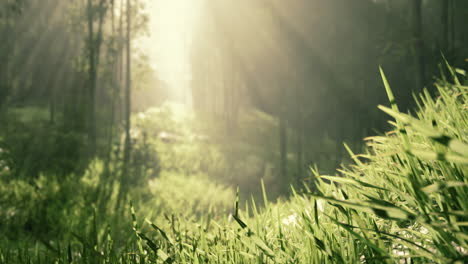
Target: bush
{"points": [[29, 149]]}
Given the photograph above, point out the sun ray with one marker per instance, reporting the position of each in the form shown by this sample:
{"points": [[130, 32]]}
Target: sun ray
{"points": [[171, 28]]}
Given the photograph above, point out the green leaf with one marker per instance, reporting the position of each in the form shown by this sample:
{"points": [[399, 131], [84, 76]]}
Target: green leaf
{"points": [[460, 71], [351, 181], [263, 246], [149, 242], [437, 156], [383, 211], [390, 95], [164, 235], [439, 186]]}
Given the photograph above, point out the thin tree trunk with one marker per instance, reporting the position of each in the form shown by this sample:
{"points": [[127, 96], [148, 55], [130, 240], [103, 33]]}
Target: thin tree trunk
{"points": [[445, 26], [52, 104], [121, 65], [283, 138], [114, 90], [102, 13], [418, 44], [299, 131], [283, 146], [128, 89], [5, 52], [97, 54], [339, 144], [453, 27], [92, 83], [128, 145], [115, 86], [105, 191], [113, 16]]}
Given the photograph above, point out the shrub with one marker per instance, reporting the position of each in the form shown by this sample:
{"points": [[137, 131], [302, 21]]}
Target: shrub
{"points": [[29, 149]]}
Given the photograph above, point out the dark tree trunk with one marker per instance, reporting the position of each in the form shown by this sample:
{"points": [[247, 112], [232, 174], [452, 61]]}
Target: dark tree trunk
{"points": [[453, 27], [7, 45], [116, 81], [128, 143], [110, 134], [339, 144], [120, 51], [92, 82], [102, 13], [53, 103], [418, 44], [283, 146], [283, 138], [299, 132], [444, 43]]}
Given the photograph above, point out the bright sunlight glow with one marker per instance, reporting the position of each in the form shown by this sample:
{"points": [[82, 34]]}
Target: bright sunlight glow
{"points": [[171, 27]]}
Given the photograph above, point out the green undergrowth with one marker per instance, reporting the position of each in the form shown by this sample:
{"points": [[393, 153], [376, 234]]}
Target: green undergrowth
{"points": [[404, 200], [192, 144]]}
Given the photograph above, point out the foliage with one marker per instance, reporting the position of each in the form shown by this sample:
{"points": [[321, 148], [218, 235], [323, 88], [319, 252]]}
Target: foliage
{"points": [[402, 201], [51, 209], [267, 103], [236, 159], [407, 203], [31, 148], [205, 196]]}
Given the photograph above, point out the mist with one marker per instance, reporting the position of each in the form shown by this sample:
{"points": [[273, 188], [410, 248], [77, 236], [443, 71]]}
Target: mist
{"points": [[250, 131]]}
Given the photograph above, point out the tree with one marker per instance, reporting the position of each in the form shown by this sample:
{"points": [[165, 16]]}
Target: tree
{"points": [[418, 44], [127, 120], [94, 47], [9, 11], [445, 25]]}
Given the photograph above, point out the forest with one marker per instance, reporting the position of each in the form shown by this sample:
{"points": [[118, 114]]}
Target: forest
{"points": [[249, 131]]}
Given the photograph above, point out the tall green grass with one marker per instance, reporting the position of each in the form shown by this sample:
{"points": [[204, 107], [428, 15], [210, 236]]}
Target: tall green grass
{"points": [[405, 200]]}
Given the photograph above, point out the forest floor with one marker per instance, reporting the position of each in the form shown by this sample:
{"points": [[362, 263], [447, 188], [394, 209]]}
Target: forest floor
{"points": [[402, 201]]}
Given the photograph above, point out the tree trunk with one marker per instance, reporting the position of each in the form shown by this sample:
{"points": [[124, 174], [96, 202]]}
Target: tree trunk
{"points": [[92, 83], [418, 44], [120, 65], [283, 139], [283, 146], [104, 190], [128, 144], [116, 81], [453, 28], [339, 144], [110, 134], [102, 13], [444, 43], [5, 52], [299, 132], [52, 104], [4, 83]]}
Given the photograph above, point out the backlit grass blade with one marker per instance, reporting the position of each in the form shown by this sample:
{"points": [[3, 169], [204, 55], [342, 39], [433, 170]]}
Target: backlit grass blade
{"points": [[439, 186], [351, 181], [386, 212], [164, 235], [390, 95]]}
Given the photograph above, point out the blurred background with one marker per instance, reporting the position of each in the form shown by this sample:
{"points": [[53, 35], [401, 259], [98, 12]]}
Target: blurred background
{"points": [[175, 103]]}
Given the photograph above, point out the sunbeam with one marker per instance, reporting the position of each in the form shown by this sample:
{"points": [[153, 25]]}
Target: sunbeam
{"points": [[233, 131], [171, 27]]}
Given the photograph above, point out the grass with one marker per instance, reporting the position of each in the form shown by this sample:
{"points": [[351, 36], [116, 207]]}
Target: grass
{"points": [[402, 201]]}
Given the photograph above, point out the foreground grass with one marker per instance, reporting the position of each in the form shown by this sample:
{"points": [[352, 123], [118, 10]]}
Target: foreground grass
{"points": [[404, 201]]}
